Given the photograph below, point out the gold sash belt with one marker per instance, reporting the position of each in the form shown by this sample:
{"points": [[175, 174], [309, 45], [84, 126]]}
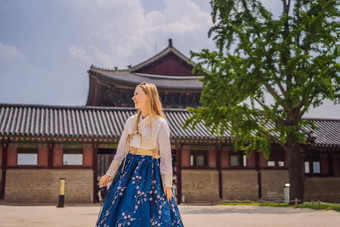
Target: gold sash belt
{"points": [[139, 151]]}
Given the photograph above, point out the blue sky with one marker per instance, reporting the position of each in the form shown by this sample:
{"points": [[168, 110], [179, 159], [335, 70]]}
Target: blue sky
{"points": [[46, 47]]}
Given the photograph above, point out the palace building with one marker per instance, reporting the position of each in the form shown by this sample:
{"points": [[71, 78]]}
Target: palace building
{"points": [[169, 70], [39, 144]]}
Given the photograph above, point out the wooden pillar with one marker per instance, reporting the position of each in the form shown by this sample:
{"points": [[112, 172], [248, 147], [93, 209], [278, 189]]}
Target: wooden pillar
{"points": [[186, 99], [165, 99], [94, 167], [257, 167], [58, 155], [4, 169], [179, 173], [50, 155], [219, 169], [330, 164]]}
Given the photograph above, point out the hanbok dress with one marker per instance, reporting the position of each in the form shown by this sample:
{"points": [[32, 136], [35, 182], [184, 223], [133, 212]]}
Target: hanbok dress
{"points": [[136, 196]]}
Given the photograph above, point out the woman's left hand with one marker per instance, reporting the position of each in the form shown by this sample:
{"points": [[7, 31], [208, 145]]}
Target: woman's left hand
{"points": [[168, 193]]}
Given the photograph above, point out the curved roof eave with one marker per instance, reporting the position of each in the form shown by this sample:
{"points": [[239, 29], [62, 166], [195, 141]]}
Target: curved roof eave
{"points": [[162, 82]]}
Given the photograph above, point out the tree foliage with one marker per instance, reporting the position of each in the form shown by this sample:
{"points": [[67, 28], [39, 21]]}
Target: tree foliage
{"points": [[293, 58]]}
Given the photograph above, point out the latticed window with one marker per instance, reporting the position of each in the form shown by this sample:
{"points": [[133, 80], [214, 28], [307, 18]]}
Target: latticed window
{"points": [[312, 163], [238, 159], [104, 159], [73, 156], [198, 158], [277, 159], [312, 167], [27, 156], [162, 97]]}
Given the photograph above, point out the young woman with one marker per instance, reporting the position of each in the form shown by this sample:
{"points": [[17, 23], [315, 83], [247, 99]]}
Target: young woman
{"points": [[142, 194]]}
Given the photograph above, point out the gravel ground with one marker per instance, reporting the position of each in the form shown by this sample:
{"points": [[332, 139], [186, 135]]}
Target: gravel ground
{"points": [[86, 215]]}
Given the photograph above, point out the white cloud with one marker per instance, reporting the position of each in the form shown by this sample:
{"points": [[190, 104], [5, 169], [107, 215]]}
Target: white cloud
{"points": [[79, 53], [179, 17], [122, 33], [10, 53]]}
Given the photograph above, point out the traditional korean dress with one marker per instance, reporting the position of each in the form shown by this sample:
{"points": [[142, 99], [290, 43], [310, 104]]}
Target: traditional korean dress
{"points": [[136, 197]]}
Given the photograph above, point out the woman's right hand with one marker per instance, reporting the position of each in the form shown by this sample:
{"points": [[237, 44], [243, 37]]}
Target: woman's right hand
{"points": [[104, 180]]}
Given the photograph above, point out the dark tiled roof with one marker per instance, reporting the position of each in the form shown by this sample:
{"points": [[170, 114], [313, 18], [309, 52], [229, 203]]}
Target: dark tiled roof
{"points": [[61, 121], [328, 132], [131, 79], [107, 122], [83, 122]]}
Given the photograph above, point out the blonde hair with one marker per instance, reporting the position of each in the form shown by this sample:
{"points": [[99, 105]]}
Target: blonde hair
{"points": [[154, 103]]}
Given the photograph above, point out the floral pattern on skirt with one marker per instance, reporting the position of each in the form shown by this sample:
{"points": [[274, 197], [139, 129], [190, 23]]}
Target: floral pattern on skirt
{"points": [[136, 197]]}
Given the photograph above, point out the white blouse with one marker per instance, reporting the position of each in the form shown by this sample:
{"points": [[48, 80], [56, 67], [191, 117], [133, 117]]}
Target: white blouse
{"points": [[159, 138]]}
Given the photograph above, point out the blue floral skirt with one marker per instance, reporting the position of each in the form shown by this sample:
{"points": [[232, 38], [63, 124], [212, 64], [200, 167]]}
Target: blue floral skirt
{"points": [[136, 197]]}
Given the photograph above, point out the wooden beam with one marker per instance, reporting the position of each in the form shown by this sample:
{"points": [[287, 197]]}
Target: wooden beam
{"points": [[330, 164], [219, 169], [179, 173], [4, 169], [94, 167], [258, 169], [50, 155]]}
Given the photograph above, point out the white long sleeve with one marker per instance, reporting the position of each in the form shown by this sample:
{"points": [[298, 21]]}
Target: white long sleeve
{"points": [[165, 154], [163, 140], [120, 152]]}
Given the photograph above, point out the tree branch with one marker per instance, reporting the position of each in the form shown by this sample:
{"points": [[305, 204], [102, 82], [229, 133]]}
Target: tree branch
{"points": [[298, 107], [305, 109], [278, 141], [272, 91], [272, 137], [281, 88], [263, 105], [298, 6], [302, 113], [278, 120], [275, 95]]}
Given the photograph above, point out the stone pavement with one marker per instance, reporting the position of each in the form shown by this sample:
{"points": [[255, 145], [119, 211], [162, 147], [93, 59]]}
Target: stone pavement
{"points": [[216, 216]]}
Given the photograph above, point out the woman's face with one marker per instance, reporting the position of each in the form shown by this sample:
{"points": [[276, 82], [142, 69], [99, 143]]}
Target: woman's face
{"points": [[140, 99]]}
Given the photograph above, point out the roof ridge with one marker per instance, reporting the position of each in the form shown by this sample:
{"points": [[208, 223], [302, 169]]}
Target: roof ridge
{"points": [[121, 108], [167, 76], [117, 72], [92, 67], [64, 106], [82, 107], [321, 119]]}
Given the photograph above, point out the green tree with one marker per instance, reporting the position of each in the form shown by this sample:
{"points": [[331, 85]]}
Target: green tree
{"points": [[292, 59]]}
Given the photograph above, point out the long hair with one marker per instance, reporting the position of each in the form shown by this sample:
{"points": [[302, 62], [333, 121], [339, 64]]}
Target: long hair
{"points": [[154, 103]]}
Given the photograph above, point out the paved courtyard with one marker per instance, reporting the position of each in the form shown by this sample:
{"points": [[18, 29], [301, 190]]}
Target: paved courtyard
{"points": [[86, 215]]}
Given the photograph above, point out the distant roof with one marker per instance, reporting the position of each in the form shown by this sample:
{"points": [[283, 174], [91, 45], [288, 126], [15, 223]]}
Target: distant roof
{"points": [[169, 50], [169, 69], [21, 120], [131, 79]]}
